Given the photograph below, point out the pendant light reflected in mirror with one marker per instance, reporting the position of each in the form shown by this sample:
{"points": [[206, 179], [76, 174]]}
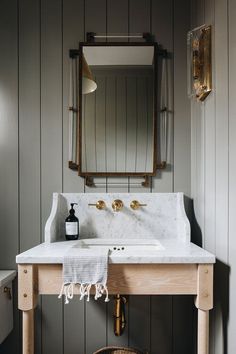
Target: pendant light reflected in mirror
{"points": [[88, 84]]}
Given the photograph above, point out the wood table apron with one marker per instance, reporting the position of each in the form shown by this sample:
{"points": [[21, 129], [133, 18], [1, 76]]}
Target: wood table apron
{"points": [[127, 279]]}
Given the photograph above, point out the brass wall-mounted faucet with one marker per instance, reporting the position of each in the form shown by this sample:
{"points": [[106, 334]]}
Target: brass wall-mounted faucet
{"points": [[135, 205], [100, 205], [117, 205]]}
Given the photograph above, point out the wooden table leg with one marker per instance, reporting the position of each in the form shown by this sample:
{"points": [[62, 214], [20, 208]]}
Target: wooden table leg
{"points": [[204, 303], [28, 332], [27, 301], [203, 332]]}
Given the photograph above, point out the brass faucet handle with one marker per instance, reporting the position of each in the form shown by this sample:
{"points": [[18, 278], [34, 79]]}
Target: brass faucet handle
{"points": [[117, 205], [100, 205], [135, 205]]}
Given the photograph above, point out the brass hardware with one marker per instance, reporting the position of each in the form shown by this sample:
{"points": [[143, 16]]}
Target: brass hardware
{"points": [[135, 205], [25, 295], [146, 182], [117, 205], [89, 181], [25, 271], [119, 314], [7, 291], [100, 205], [200, 76], [161, 165]]}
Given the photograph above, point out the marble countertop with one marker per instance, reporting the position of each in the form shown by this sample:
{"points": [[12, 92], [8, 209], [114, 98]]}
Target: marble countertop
{"points": [[171, 251]]}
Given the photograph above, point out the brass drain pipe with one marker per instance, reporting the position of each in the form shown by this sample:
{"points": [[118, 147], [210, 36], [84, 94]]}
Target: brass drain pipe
{"points": [[119, 314]]}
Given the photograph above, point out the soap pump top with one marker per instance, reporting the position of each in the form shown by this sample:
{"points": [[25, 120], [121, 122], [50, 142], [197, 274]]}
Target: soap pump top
{"points": [[72, 210]]}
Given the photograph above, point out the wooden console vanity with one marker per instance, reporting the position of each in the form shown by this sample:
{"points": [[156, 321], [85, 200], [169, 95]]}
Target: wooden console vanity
{"points": [[129, 279], [166, 263]]}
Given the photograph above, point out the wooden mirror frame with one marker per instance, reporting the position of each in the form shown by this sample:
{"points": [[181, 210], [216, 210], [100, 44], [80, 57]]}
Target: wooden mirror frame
{"points": [[79, 133]]}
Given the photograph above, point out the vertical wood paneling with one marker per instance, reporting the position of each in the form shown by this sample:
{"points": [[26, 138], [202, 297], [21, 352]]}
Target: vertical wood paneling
{"points": [[121, 124], [140, 323], [222, 126], [232, 176], [74, 327], [51, 149], [222, 168], [73, 32], [131, 132], [111, 123], [162, 29], [139, 22], [142, 121], [199, 153], [96, 21], [9, 132], [182, 306], [29, 122], [51, 102], [182, 120], [95, 325], [210, 170], [52, 325], [161, 307], [118, 22], [95, 311], [100, 109], [90, 132], [29, 132], [161, 325], [210, 162]]}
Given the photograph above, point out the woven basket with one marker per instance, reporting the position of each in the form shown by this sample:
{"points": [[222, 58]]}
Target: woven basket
{"points": [[117, 350]]}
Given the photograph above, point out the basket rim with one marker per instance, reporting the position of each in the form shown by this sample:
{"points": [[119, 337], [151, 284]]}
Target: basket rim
{"points": [[136, 351]]}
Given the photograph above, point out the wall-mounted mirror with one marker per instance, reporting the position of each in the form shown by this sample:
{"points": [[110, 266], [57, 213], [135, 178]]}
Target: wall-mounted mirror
{"points": [[117, 117]]}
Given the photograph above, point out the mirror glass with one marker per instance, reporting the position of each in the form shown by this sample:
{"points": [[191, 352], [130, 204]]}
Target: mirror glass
{"points": [[117, 117]]}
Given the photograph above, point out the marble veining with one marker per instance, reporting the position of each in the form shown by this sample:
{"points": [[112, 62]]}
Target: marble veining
{"points": [[164, 216]]}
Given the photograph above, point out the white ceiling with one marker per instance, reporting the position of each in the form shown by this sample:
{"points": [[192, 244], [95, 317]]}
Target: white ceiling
{"points": [[119, 55]]}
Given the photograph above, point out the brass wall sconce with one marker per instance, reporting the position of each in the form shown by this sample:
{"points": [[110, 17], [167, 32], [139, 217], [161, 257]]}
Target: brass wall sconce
{"points": [[199, 62]]}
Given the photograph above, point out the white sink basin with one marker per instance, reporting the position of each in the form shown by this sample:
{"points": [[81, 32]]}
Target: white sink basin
{"points": [[121, 245]]}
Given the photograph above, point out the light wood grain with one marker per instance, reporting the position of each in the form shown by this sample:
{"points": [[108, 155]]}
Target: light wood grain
{"points": [[142, 279], [204, 299], [203, 332], [27, 286], [28, 332]]}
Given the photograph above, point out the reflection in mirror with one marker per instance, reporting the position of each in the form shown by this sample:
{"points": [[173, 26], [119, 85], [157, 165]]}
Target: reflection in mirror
{"points": [[117, 119]]}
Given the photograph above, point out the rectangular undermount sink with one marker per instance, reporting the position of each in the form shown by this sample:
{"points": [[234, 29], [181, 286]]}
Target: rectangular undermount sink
{"points": [[121, 245]]}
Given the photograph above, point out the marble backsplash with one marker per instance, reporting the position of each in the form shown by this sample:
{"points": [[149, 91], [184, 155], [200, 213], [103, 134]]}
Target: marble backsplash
{"points": [[163, 217]]}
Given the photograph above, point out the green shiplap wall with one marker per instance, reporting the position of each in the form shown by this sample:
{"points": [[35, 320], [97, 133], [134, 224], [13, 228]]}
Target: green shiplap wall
{"points": [[35, 36]]}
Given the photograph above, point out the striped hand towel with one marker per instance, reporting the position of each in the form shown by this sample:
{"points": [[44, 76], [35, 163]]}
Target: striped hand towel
{"points": [[85, 268]]}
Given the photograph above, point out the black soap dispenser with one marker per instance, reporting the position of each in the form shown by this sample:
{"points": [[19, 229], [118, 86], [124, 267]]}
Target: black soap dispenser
{"points": [[72, 225]]}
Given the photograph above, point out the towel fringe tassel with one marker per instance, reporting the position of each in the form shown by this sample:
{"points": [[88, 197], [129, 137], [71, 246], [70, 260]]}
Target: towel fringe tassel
{"points": [[68, 291]]}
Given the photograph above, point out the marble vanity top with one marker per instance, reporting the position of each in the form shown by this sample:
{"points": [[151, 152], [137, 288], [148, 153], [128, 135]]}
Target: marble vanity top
{"points": [[171, 251], [158, 232]]}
